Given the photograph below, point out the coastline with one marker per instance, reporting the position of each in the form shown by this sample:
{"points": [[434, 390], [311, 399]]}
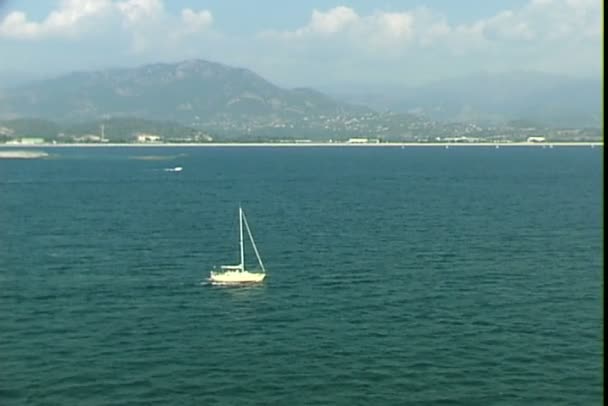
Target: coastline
{"points": [[312, 144]]}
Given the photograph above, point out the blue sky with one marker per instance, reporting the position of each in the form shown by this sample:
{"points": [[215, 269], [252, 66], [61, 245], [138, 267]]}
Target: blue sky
{"points": [[247, 16], [306, 42]]}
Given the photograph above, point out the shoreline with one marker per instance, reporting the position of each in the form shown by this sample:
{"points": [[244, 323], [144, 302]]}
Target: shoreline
{"points": [[311, 144]]}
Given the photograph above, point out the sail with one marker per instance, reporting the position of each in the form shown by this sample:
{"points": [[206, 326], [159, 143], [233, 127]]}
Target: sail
{"points": [[255, 248]]}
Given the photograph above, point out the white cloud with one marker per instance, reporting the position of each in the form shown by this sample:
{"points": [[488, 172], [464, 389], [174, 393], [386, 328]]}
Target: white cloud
{"points": [[562, 36], [344, 21], [395, 25], [507, 26], [333, 21], [73, 17], [196, 21], [68, 20], [15, 24], [521, 38], [138, 11], [551, 19]]}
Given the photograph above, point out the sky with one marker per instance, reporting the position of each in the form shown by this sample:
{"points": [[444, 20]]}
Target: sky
{"points": [[306, 43]]}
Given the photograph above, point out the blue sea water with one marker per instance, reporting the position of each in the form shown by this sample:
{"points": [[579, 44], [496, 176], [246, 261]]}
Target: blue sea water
{"points": [[468, 276]]}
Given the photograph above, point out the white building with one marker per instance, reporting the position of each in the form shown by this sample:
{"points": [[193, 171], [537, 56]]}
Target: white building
{"points": [[141, 137], [536, 139], [357, 140], [88, 138], [27, 141]]}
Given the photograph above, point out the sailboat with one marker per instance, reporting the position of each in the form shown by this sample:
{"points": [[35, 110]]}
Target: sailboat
{"points": [[237, 274]]}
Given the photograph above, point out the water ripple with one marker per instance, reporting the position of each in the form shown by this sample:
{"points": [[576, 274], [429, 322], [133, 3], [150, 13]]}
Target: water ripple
{"points": [[394, 278]]}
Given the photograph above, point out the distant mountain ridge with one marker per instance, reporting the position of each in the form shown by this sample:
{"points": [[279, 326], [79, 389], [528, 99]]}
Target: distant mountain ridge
{"points": [[491, 98], [230, 101], [194, 92]]}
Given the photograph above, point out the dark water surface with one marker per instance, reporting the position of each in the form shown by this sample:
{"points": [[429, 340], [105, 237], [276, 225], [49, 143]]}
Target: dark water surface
{"points": [[467, 276]]}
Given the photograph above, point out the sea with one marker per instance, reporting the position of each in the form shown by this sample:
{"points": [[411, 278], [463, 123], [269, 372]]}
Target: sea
{"points": [[422, 276]]}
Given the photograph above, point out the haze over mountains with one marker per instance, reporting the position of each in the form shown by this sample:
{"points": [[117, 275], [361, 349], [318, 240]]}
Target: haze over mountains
{"points": [[546, 99], [209, 95], [188, 92]]}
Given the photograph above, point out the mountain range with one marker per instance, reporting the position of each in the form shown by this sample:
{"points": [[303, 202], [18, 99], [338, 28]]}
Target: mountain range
{"points": [[490, 98], [220, 98], [192, 92]]}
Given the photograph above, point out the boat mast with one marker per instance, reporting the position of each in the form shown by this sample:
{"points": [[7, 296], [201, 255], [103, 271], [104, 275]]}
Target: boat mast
{"points": [[241, 238]]}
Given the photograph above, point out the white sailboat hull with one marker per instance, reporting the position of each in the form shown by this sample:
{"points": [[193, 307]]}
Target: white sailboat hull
{"points": [[235, 277], [236, 274]]}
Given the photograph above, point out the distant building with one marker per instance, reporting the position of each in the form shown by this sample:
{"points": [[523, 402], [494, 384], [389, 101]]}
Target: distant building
{"points": [[6, 131], [536, 139], [88, 138], [142, 137], [357, 141], [27, 141], [460, 139]]}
